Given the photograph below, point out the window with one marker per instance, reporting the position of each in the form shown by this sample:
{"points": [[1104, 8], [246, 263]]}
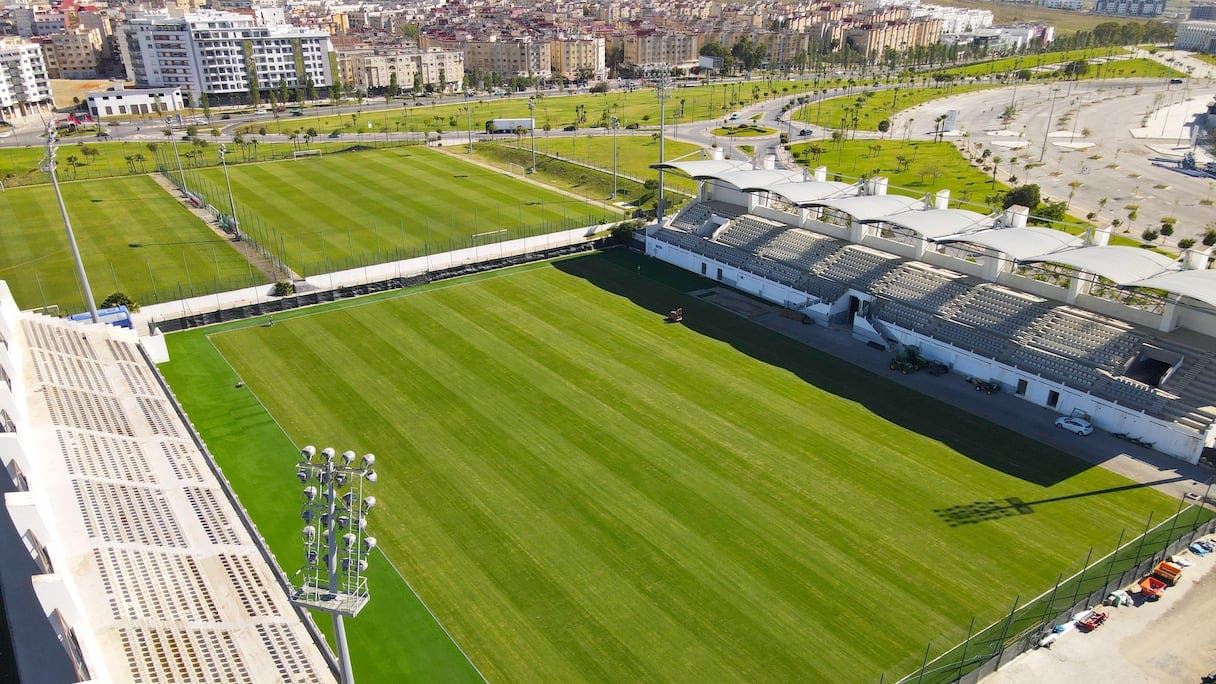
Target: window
{"points": [[1053, 398], [704, 267], [6, 423], [1021, 390]]}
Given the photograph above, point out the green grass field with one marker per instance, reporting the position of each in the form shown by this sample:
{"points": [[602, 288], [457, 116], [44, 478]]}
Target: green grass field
{"points": [[874, 106], [641, 106], [581, 492], [1203, 57], [1011, 65], [346, 210], [635, 154], [178, 255]]}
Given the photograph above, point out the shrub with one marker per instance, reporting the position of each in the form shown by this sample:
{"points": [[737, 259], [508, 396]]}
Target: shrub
{"points": [[120, 299], [1149, 235], [284, 288], [1186, 243]]}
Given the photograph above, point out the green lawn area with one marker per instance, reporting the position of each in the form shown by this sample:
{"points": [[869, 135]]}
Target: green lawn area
{"points": [[580, 492], [177, 255], [19, 165], [693, 103], [1011, 65], [635, 154], [1132, 68], [1204, 57], [743, 131], [874, 106], [346, 210]]}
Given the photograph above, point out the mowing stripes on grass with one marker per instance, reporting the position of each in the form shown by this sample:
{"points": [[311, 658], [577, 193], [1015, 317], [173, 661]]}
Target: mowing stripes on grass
{"points": [[579, 491], [176, 255], [346, 210]]}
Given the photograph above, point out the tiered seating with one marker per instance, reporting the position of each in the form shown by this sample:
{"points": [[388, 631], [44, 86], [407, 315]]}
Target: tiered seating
{"points": [[691, 217], [859, 268], [748, 233], [800, 249], [680, 239], [776, 272], [1130, 394], [1096, 341], [1002, 311], [906, 316], [929, 289], [977, 340], [824, 289], [724, 210], [1054, 367]]}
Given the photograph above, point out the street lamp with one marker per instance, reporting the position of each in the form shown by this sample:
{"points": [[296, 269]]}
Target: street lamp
{"points": [[468, 110], [336, 543], [231, 201], [532, 129], [614, 123], [67, 223]]}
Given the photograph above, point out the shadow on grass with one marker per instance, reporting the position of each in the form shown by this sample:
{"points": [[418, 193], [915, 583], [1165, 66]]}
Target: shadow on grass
{"points": [[617, 271], [981, 511]]}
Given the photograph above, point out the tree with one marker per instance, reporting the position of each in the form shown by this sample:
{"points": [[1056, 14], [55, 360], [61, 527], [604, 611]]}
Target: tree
{"points": [[1186, 243], [120, 299], [1076, 69], [884, 125], [1051, 212], [205, 102], [1023, 195], [1209, 236], [1149, 235], [310, 89], [141, 159], [192, 131], [393, 86], [283, 91]]}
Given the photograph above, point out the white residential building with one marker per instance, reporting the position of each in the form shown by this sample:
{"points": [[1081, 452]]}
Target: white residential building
{"points": [[134, 101], [431, 68], [224, 54], [24, 86], [1199, 36]]}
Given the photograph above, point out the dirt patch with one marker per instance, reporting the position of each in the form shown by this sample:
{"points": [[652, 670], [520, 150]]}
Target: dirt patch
{"points": [[64, 90], [733, 302]]}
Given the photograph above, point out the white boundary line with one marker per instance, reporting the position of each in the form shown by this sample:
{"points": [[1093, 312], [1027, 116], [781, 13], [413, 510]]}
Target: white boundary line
{"points": [[386, 558]]}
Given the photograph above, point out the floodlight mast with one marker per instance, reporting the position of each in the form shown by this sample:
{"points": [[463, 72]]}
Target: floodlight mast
{"points": [[231, 200], [662, 84], [81, 276], [337, 588]]}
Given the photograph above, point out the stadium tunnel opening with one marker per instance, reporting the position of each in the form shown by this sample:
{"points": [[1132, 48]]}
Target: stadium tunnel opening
{"points": [[1153, 365], [634, 276]]}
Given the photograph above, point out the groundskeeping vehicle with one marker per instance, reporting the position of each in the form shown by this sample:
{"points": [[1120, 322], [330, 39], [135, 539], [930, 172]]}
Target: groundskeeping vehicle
{"points": [[1077, 426], [508, 125]]}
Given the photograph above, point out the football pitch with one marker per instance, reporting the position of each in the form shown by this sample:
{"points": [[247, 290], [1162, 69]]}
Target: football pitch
{"points": [[347, 210], [578, 491], [133, 236]]}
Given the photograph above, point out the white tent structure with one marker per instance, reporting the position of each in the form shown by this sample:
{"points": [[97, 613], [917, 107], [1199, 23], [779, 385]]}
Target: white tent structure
{"points": [[1018, 243], [1120, 265]]}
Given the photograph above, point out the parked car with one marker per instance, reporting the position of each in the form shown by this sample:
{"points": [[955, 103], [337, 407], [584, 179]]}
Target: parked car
{"points": [[805, 131], [1077, 426], [1175, 81], [571, 127]]}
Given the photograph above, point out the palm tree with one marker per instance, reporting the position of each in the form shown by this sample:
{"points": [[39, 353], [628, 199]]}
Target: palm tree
{"points": [[130, 160], [140, 159]]}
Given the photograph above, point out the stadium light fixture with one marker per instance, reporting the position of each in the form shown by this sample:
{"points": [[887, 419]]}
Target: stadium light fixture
{"points": [[661, 86], [81, 276], [614, 123], [336, 544], [532, 130]]}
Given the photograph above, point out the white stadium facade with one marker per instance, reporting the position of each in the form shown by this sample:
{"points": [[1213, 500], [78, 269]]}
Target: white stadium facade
{"points": [[1123, 335], [124, 555]]}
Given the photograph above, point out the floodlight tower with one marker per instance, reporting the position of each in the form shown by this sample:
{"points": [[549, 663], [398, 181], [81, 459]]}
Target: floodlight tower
{"points": [[333, 577], [532, 130], [614, 123], [661, 85], [67, 223], [228, 182]]}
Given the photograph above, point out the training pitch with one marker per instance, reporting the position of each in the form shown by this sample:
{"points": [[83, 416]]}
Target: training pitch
{"points": [[580, 491], [347, 210], [133, 236]]}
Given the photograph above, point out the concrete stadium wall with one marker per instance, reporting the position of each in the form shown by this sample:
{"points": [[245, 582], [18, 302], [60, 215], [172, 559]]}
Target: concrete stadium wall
{"points": [[1166, 437]]}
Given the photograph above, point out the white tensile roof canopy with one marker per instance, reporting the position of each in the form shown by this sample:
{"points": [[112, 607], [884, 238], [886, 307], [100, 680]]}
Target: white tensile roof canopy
{"points": [[1120, 265], [1019, 243], [870, 207], [804, 192], [936, 223], [706, 169], [1199, 285]]}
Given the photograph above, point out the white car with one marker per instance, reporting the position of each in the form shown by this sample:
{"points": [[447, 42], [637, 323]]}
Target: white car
{"points": [[1077, 426]]}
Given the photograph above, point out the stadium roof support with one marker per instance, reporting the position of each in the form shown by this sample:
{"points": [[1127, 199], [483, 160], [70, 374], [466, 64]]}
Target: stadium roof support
{"points": [[756, 180], [936, 223], [1199, 285], [868, 208], [1120, 265], [705, 169], [1019, 243], [804, 192]]}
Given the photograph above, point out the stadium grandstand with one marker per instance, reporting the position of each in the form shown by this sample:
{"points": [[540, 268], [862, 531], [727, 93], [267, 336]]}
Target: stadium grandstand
{"points": [[126, 558], [1122, 335]]}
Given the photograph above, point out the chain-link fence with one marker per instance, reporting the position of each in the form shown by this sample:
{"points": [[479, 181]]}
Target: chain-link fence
{"points": [[986, 649]]}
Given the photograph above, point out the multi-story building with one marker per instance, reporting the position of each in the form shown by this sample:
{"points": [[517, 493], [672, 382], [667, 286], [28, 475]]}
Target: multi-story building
{"points": [[103, 21], [24, 85], [1203, 12], [651, 48], [1130, 8], [873, 39], [74, 54], [225, 55], [1199, 36], [507, 56], [432, 69], [573, 58], [38, 22], [1071, 5]]}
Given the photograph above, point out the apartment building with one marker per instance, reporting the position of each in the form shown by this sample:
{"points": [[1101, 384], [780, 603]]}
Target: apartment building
{"points": [[37, 22], [74, 54], [652, 48], [431, 68], [572, 57], [1130, 8], [873, 39], [25, 87], [224, 54], [1199, 36], [507, 56]]}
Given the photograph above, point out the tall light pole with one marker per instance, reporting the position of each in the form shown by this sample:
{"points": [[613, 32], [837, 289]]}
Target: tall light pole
{"points": [[67, 223], [332, 579], [181, 175], [1050, 113], [532, 130], [469, 112], [661, 85], [614, 123], [228, 182]]}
